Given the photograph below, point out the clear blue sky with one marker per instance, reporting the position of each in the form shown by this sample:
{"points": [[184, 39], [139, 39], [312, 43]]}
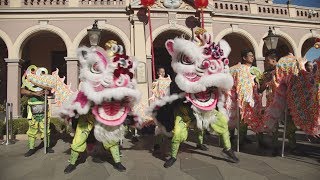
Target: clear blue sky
{"points": [[309, 3], [313, 53]]}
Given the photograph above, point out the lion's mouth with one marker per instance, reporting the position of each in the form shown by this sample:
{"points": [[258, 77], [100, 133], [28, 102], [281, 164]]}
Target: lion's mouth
{"points": [[192, 77], [206, 100], [111, 113]]}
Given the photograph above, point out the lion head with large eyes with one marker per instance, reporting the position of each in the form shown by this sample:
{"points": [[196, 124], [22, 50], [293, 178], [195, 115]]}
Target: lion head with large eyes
{"points": [[107, 79], [202, 69]]}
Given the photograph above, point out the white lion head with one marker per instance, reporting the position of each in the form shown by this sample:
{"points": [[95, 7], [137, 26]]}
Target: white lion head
{"points": [[201, 67], [107, 79]]}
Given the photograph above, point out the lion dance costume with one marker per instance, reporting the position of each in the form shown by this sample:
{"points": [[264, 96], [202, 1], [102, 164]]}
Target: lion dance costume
{"points": [[103, 102], [35, 110], [202, 75]]}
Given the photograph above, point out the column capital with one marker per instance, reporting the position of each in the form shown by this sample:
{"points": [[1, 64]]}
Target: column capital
{"points": [[68, 59], [18, 61]]}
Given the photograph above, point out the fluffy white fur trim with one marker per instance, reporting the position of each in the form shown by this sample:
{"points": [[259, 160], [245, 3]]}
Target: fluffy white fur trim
{"points": [[115, 93], [221, 80], [69, 107], [165, 100], [108, 134]]}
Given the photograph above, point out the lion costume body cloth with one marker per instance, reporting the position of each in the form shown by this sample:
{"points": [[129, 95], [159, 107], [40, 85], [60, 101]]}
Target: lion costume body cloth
{"points": [[295, 88], [202, 80]]}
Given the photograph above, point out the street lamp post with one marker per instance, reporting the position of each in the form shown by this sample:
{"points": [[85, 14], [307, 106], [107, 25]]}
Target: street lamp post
{"points": [[94, 34], [271, 40]]}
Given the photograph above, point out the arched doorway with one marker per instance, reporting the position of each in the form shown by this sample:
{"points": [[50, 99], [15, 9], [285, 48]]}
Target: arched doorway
{"points": [[237, 43], [161, 55], [105, 37], [3, 72], [308, 50], [45, 49], [282, 42]]}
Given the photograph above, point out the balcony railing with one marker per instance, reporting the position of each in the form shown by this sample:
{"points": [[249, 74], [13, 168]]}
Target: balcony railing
{"points": [[273, 10], [4, 3], [305, 13], [44, 3], [236, 7], [233, 7], [102, 3]]}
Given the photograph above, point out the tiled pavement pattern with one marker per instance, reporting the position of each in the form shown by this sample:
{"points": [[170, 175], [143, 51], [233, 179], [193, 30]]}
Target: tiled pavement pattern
{"points": [[142, 164]]}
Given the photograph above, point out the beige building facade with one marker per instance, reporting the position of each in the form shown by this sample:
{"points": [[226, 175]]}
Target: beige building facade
{"points": [[47, 33]]}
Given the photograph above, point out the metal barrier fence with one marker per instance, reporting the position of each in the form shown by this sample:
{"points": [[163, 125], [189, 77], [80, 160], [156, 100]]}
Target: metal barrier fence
{"points": [[9, 124]]}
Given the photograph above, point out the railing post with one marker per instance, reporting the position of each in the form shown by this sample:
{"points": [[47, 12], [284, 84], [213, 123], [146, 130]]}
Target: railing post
{"points": [[45, 140], [284, 130], [238, 128], [11, 121], [8, 126]]}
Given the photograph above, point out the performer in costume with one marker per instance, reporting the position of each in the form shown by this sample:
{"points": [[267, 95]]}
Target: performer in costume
{"points": [[35, 110], [104, 101], [245, 96], [203, 79]]}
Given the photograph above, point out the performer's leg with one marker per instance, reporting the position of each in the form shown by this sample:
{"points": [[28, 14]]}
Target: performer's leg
{"points": [[41, 128], [180, 134], [275, 145], [78, 145], [115, 152], [220, 126], [200, 145], [158, 140], [291, 133], [243, 133], [32, 134]]}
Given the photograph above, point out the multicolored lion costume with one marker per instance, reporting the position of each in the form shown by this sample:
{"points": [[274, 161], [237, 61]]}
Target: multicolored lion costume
{"points": [[104, 100], [301, 92], [202, 79]]}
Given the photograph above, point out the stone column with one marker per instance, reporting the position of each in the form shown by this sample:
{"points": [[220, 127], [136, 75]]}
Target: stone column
{"points": [[14, 84], [140, 54], [72, 72]]}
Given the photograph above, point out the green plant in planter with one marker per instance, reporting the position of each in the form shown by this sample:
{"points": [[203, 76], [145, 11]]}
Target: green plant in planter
{"points": [[21, 126], [24, 104], [2, 128]]}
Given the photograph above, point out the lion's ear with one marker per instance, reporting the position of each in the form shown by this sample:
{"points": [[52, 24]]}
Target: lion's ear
{"points": [[225, 46], [83, 52], [169, 46]]}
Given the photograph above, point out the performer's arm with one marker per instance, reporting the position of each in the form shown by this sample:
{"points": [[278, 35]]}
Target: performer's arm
{"points": [[31, 93]]}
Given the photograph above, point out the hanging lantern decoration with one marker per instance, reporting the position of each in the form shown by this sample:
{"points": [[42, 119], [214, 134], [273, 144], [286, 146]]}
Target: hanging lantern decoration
{"points": [[201, 4], [317, 44], [147, 4]]}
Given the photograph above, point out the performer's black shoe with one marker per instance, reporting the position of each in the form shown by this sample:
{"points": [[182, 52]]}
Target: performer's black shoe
{"points": [[169, 162], [276, 152], [231, 155], [69, 168], [202, 147], [156, 147], [50, 150], [134, 139], [30, 152], [118, 166]]}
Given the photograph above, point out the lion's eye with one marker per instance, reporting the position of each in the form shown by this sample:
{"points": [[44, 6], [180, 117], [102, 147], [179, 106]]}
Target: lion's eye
{"points": [[41, 71], [95, 68], [186, 60]]}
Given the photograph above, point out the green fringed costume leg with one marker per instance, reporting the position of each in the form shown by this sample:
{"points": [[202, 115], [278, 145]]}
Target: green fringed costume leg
{"points": [[114, 149], [85, 125], [220, 126]]}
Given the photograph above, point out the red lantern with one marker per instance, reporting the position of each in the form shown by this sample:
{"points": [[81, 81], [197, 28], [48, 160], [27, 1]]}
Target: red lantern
{"points": [[147, 3], [200, 4]]}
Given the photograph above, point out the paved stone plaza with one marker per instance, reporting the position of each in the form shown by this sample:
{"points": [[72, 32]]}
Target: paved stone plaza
{"points": [[142, 164]]}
